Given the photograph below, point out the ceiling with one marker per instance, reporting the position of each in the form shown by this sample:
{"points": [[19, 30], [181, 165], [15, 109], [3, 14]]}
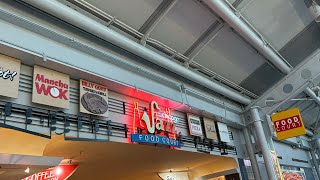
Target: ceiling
{"points": [[111, 160], [189, 23], [104, 160]]}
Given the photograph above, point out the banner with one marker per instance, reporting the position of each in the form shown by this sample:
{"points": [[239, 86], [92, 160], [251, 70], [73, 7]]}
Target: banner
{"points": [[60, 172], [93, 98], [195, 127], [276, 165], [223, 132], [9, 76], [288, 124], [50, 87], [210, 129], [293, 175]]}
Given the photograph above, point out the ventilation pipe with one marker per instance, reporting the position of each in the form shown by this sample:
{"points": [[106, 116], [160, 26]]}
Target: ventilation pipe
{"points": [[85, 23], [229, 16]]}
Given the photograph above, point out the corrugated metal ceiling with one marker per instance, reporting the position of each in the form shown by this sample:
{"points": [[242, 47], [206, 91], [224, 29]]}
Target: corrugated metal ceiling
{"points": [[227, 54]]}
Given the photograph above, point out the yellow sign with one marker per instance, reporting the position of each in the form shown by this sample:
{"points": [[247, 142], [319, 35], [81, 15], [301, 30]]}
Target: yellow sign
{"points": [[276, 166], [288, 124]]}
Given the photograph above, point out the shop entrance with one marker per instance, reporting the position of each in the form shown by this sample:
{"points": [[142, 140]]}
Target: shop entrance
{"points": [[112, 160]]}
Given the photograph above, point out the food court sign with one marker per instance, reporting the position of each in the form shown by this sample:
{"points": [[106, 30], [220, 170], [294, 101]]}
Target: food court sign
{"points": [[153, 127], [288, 124]]}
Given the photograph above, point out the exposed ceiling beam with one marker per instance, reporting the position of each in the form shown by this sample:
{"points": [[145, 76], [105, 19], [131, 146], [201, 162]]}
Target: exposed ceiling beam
{"points": [[205, 38], [252, 36], [202, 41], [89, 25], [155, 18], [113, 21]]}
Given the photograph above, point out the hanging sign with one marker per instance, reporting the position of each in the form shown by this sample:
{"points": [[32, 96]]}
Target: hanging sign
{"points": [[276, 166], [151, 128], [60, 172], [9, 76], [288, 124], [195, 127], [50, 87], [93, 98], [223, 132], [210, 129], [293, 175]]}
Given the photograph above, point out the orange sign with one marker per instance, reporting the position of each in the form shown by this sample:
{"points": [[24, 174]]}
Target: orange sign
{"points": [[276, 165], [288, 124]]}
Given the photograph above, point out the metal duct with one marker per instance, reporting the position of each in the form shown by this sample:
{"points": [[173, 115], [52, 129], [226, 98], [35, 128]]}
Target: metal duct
{"points": [[77, 19], [224, 11], [228, 15]]}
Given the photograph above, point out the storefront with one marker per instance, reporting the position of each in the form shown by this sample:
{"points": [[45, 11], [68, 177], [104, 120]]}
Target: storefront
{"points": [[87, 124]]}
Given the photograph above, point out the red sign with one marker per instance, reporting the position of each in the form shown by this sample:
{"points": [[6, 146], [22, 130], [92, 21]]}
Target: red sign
{"points": [[287, 123], [56, 89], [60, 172]]}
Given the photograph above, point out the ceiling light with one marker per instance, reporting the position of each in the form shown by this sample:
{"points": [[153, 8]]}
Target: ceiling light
{"points": [[58, 171], [27, 170]]}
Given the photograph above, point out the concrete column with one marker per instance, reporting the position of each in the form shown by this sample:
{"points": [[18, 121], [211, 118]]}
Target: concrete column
{"points": [[261, 138], [252, 156], [315, 162]]}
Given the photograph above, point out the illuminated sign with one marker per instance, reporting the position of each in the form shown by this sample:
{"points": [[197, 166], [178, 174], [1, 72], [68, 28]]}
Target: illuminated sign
{"points": [[288, 124], [60, 172], [152, 127], [9, 76], [50, 87]]}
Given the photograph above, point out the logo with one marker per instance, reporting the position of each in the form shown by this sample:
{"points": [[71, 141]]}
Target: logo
{"points": [[153, 122], [49, 87], [7, 74], [153, 128]]}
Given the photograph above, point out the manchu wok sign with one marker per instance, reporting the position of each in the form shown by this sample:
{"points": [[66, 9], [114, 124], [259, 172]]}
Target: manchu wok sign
{"points": [[153, 128]]}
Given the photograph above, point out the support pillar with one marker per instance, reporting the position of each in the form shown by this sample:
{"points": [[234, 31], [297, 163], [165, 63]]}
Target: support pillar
{"points": [[317, 143], [261, 138], [252, 156], [315, 162]]}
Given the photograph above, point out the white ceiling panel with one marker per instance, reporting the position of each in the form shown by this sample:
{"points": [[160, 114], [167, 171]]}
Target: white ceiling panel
{"points": [[230, 57], [278, 20], [134, 13], [183, 25]]}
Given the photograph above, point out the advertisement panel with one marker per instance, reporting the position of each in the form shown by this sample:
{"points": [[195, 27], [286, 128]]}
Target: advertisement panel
{"points": [[195, 127], [50, 87], [60, 172], [288, 124], [276, 165], [210, 129], [293, 175], [223, 132], [93, 98], [9, 76], [148, 127]]}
